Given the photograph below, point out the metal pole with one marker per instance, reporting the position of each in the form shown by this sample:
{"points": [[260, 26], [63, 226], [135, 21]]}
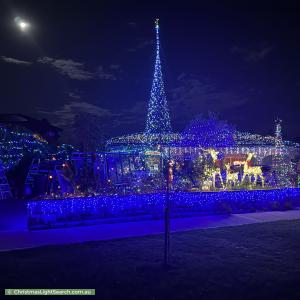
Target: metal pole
{"points": [[167, 214], [167, 227]]}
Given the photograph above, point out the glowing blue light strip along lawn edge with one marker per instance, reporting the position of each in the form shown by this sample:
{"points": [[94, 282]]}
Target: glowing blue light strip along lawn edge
{"points": [[119, 206]]}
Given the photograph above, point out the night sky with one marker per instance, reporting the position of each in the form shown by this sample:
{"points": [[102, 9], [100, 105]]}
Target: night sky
{"points": [[97, 57]]}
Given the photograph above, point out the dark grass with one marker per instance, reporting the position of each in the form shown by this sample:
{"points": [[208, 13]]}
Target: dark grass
{"points": [[259, 261]]}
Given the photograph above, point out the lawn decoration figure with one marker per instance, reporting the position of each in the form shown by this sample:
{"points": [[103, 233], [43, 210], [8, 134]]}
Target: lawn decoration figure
{"points": [[232, 178], [255, 172], [215, 170]]}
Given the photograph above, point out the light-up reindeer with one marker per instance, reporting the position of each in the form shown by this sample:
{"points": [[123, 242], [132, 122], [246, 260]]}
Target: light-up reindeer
{"points": [[231, 177], [252, 171], [215, 170]]}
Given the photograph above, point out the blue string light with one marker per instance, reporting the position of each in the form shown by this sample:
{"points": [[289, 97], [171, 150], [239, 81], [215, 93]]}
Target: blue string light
{"points": [[15, 144], [208, 133], [87, 208]]}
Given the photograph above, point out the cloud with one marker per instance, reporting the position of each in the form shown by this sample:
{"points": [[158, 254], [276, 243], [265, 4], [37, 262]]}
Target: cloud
{"points": [[252, 55], [190, 97], [114, 67], [145, 43], [193, 96], [73, 95], [68, 67], [113, 72], [73, 114], [141, 44], [133, 116], [72, 69], [77, 70], [15, 61], [64, 117], [132, 24], [105, 75]]}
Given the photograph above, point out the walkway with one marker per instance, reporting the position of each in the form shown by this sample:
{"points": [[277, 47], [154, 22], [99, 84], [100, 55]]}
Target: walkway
{"points": [[22, 238]]}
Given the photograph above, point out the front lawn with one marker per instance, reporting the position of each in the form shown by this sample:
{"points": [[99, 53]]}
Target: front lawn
{"points": [[258, 261]]}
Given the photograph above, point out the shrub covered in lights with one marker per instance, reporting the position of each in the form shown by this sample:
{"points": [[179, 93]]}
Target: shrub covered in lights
{"points": [[64, 152], [15, 145], [209, 132], [55, 213]]}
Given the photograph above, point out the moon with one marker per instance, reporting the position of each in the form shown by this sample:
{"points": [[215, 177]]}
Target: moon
{"points": [[22, 24]]}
